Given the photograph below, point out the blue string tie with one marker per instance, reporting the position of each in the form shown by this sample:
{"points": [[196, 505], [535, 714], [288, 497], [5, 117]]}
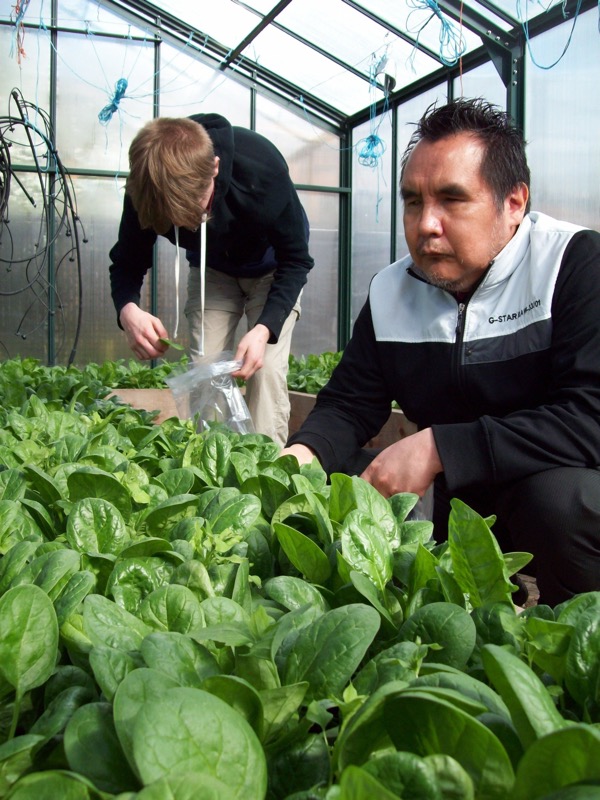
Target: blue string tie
{"points": [[107, 112], [371, 151]]}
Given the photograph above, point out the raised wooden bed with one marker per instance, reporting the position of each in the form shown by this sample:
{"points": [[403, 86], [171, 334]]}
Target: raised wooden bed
{"points": [[396, 427], [161, 400]]}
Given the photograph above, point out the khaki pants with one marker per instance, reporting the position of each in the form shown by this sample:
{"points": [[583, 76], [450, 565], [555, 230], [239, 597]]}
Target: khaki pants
{"points": [[227, 299]]}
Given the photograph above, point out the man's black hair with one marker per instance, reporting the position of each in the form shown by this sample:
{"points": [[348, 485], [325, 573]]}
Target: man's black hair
{"points": [[504, 164]]}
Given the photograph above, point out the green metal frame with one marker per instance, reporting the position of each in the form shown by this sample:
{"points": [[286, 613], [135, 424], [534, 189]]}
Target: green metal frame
{"points": [[506, 50]]}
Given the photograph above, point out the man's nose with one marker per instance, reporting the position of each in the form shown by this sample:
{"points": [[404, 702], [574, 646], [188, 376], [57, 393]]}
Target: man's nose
{"points": [[430, 221]]}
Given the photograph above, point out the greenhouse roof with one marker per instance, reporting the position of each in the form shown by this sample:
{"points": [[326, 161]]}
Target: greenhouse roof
{"points": [[338, 57], [333, 59]]}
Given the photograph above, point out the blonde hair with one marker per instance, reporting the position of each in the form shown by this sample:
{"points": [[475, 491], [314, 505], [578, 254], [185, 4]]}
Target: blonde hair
{"points": [[171, 162]]}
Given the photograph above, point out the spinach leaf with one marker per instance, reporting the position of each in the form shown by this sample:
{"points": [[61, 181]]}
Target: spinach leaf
{"points": [[190, 730], [327, 652], [93, 750], [567, 756], [531, 706], [423, 724]]}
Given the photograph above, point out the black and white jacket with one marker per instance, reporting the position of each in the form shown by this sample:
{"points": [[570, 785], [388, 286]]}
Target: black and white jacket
{"points": [[509, 381]]}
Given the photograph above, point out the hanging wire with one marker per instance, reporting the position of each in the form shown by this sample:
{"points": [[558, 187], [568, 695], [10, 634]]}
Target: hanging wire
{"points": [[25, 261], [122, 88], [18, 36], [107, 112], [452, 44], [371, 150], [372, 147], [525, 26]]}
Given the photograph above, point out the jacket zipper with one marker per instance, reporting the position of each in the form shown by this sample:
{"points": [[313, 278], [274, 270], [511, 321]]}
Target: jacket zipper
{"points": [[458, 347]]}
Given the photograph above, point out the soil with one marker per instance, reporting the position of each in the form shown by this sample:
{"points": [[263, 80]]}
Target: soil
{"points": [[532, 588]]}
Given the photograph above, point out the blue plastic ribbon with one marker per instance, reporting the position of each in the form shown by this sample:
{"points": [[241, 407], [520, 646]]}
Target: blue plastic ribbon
{"points": [[107, 112]]}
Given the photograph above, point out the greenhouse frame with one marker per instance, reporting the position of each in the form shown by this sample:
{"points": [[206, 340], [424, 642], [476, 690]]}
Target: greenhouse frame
{"points": [[336, 85], [366, 568]]}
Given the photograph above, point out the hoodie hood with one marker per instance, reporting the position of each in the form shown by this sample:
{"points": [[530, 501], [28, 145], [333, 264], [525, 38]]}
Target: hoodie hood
{"points": [[221, 132]]}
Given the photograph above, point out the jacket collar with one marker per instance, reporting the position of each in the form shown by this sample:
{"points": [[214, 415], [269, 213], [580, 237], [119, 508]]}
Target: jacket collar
{"points": [[511, 255]]}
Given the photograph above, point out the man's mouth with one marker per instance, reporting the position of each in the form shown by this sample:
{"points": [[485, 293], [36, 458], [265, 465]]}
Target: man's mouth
{"points": [[433, 254]]}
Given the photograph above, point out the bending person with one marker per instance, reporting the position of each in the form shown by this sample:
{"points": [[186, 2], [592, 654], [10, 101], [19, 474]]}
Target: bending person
{"points": [[225, 195]]}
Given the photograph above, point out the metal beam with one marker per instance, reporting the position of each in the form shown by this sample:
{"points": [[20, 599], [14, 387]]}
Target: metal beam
{"points": [[264, 23]]}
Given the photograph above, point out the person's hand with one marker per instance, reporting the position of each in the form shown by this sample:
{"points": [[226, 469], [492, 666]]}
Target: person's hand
{"points": [[251, 350], [303, 453], [143, 332], [409, 465]]}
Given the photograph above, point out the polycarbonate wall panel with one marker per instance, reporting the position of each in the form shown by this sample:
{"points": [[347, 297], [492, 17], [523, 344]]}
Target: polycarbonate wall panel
{"points": [[23, 271], [371, 207], [81, 295], [36, 11], [30, 77], [562, 121], [99, 202], [88, 69], [316, 330], [90, 16], [483, 81], [187, 86], [409, 114], [312, 154]]}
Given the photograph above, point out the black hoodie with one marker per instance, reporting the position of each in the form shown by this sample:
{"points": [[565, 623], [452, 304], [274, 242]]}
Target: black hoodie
{"points": [[257, 225]]}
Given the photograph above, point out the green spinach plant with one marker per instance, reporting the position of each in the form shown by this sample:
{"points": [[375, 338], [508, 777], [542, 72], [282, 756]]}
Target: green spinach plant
{"points": [[190, 615]]}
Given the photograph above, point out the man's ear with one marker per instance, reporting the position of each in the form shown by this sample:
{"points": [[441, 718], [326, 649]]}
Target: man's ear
{"points": [[216, 172], [516, 203]]}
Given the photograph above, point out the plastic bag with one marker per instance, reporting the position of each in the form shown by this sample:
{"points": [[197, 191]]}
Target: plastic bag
{"points": [[207, 391]]}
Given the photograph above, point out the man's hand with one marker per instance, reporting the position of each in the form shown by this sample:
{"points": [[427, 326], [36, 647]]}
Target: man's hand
{"points": [[251, 350], [409, 465], [303, 453], [143, 332]]}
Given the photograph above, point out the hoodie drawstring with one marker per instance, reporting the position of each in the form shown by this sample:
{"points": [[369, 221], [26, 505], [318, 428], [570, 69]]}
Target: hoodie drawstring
{"points": [[177, 271], [202, 272], [203, 231]]}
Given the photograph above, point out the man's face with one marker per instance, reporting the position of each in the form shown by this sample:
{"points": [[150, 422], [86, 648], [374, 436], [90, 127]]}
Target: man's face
{"points": [[199, 205], [206, 197], [452, 222]]}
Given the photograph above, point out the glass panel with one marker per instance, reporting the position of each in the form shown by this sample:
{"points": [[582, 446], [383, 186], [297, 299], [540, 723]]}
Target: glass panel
{"points": [[313, 155], [408, 114], [37, 11], [310, 71], [342, 31], [410, 17], [497, 21], [522, 10], [316, 330], [23, 271], [562, 135], [225, 21], [88, 15], [483, 81], [99, 202], [88, 71], [371, 207], [187, 86], [262, 6]]}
